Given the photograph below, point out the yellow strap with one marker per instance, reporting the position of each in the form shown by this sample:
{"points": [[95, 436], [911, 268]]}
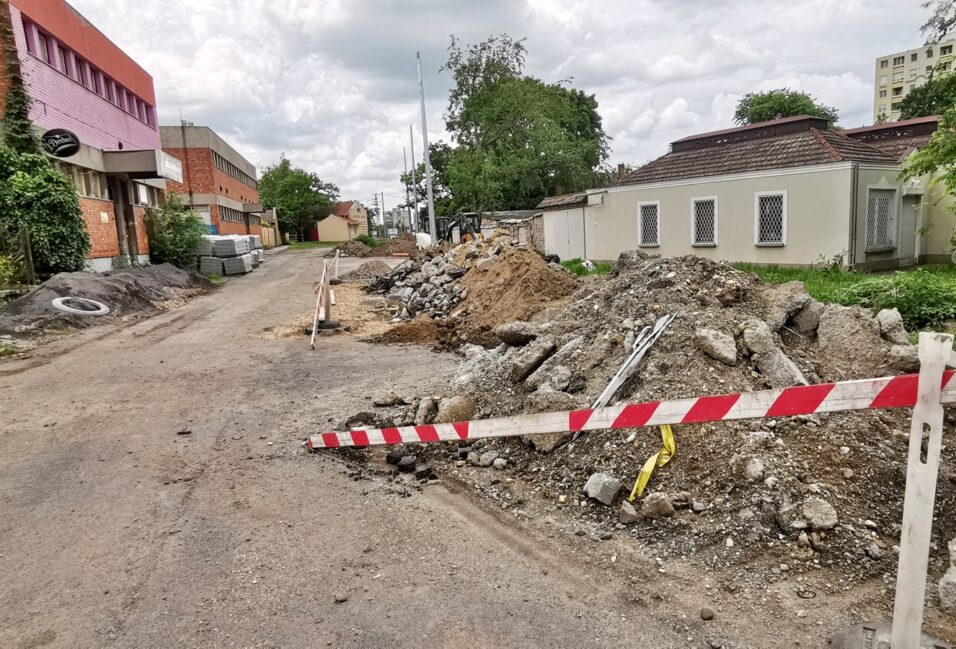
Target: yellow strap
{"points": [[659, 459]]}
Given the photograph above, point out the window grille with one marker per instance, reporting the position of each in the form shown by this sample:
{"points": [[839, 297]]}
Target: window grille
{"points": [[650, 224], [705, 222], [771, 215], [881, 218]]}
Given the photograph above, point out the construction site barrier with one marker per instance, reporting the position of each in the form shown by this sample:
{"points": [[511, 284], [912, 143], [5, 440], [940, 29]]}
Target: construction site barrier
{"points": [[325, 299], [925, 392]]}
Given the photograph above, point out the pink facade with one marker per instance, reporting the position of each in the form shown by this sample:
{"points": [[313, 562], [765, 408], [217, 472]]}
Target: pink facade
{"points": [[61, 102]]}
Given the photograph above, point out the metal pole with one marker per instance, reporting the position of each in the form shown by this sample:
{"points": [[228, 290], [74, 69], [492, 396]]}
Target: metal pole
{"points": [[411, 137], [428, 163], [408, 198]]}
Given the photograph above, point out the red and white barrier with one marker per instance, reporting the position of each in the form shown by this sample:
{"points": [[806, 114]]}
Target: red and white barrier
{"points": [[889, 392]]}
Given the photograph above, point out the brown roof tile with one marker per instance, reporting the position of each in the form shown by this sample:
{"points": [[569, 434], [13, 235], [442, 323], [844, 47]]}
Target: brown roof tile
{"points": [[564, 200]]}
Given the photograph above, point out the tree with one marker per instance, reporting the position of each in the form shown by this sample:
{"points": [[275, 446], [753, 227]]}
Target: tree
{"points": [[440, 154], [296, 194], [932, 98], [757, 107], [938, 158], [17, 129], [941, 21], [175, 232]]}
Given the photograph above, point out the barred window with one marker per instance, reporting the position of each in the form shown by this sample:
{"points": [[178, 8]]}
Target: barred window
{"points": [[771, 219], [704, 222], [881, 218], [649, 226]]}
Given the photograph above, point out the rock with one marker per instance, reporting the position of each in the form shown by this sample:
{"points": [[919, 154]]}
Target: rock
{"points": [[407, 464], [749, 466], [947, 591], [423, 472], [547, 399], [427, 409], [543, 374], [387, 398], [474, 458], [819, 513], [706, 614], [657, 505], [559, 378], [778, 370], [499, 463], [904, 358], [717, 344], [782, 301], [875, 552], [757, 337], [392, 457], [516, 333], [850, 344], [807, 319], [698, 506], [606, 536], [602, 488], [628, 514], [891, 326], [531, 359], [488, 458], [789, 519], [457, 408], [341, 598], [547, 442]]}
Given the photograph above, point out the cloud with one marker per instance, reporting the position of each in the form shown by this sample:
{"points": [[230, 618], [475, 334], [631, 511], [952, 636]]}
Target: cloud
{"points": [[332, 84]]}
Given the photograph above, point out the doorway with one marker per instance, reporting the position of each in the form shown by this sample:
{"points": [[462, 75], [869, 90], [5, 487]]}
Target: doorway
{"points": [[909, 218], [125, 221]]}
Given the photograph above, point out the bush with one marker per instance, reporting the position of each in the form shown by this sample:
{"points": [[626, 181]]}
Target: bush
{"points": [[36, 196], [371, 242], [577, 267], [10, 270], [924, 298], [175, 232]]}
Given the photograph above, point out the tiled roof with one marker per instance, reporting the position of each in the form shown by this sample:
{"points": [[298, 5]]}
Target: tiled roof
{"points": [[900, 148], [886, 126], [564, 200], [897, 139], [342, 209], [810, 147]]}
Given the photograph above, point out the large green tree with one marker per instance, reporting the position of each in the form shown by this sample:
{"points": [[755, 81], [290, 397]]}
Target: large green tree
{"points": [[15, 123], [440, 155], [932, 98], [298, 196], [783, 102], [941, 21], [938, 157]]}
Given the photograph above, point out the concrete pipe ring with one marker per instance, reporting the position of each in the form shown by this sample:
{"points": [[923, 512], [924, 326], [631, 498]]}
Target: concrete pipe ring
{"points": [[88, 307]]}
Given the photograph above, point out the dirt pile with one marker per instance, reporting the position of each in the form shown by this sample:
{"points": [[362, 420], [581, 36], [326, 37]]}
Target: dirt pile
{"points": [[472, 288], [368, 270], [762, 501], [125, 292], [351, 249], [403, 244]]}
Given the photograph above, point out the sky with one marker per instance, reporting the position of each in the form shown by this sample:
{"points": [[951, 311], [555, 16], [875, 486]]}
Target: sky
{"points": [[332, 84]]}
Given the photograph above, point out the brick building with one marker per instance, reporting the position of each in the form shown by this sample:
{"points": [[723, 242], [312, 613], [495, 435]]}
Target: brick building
{"points": [[95, 109], [217, 182]]}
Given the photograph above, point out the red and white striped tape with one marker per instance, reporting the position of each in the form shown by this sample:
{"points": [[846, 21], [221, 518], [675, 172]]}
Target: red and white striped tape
{"points": [[889, 392]]}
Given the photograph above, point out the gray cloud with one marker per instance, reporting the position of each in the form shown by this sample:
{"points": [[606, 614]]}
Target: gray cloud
{"points": [[332, 84]]}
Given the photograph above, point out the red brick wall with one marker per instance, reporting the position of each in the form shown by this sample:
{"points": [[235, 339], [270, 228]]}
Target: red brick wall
{"points": [[102, 235], [198, 172], [226, 185], [231, 227], [142, 241]]}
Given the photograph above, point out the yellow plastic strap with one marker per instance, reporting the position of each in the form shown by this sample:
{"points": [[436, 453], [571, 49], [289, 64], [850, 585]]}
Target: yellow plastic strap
{"points": [[659, 459]]}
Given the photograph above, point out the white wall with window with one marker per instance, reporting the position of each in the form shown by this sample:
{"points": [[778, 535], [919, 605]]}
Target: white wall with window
{"points": [[770, 218], [881, 225], [703, 215], [649, 224]]}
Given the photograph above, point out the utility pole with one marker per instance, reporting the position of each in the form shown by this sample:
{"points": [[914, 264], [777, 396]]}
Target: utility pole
{"points": [[408, 198], [428, 163], [384, 218], [411, 137], [375, 203]]}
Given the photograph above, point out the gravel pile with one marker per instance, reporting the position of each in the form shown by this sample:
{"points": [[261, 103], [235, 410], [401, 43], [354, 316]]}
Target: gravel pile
{"points": [[368, 270]]}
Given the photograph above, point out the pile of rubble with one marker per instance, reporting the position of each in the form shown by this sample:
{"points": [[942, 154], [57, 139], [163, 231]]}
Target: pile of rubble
{"points": [[402, 245], [368, 270], [760, 500]]}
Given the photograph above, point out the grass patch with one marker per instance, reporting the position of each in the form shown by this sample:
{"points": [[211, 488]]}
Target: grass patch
{"points": [[215, 279], [371, 242], [577, 267], [309, 245], [6, 350], [925, 296]]}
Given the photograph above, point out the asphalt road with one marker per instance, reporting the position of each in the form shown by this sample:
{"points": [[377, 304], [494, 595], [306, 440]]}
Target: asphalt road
{"points": [[117, 531]]}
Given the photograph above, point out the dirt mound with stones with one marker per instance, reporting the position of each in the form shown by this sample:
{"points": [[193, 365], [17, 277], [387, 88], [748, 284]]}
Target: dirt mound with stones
{"points": [[811, 503], [368, 270], [403, 244], [351, 249], [127, 291]]}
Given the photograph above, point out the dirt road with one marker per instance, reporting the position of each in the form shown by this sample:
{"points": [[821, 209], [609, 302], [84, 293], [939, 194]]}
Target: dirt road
{"points": [[117, 531]]}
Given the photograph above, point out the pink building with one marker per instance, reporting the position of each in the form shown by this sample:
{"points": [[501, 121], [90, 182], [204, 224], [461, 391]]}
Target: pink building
{"points": [[95, 109]]}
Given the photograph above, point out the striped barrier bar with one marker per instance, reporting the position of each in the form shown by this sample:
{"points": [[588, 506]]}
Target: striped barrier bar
{"points": [[888, 392]]}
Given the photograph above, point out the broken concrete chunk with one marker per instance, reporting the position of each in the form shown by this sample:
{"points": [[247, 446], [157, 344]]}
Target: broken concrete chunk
{"points": [[757, 337], [602, 487], [891, 326], [657, 505], [393, 457], [427, 409], [488, 458], [778, 370], [547, 442], [820, 514], [500, 463], [628, 514], [947, 591], [388, 398], [547, 399], [849, 337], [516, 333], [807, 319], [783, 301], [406, 464], [530, 359], [717, 344], [458, 408], [749, 466], [904, 358]]}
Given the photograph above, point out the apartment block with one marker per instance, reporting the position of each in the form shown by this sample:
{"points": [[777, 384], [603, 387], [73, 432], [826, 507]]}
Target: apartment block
{"points": [[218, 182], [897, 74]]}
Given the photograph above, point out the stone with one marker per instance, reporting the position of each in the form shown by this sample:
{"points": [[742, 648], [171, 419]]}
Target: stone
{"points": [[819, 513], [757, 337], [778, 370], [657, 505], [891, 326], [457, 408], [602, 487], [717, 344], [783, 301], [488, 458], [628, 514], [393, 457], [698, 506], [341, 598], [947, 591], [904, 358], [388, 398], [426, 411], [474, 457], [516, 333], [849, 337], [499, 463], [606, 536], [407, 464], [706, 614], [531, 358], [807, 319], [423, 472], [547, 442], [547, 399], [749, 466], [875, 552]]}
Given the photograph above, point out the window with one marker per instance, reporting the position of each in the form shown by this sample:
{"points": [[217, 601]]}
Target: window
{"points": [[770, 216], [649, 224], [60, 60], [704, 221], [229, 214], [884, 63], [945, 66], [881, 219], [914, 56], [929, 52], [89, 182], [946, 49], [897, 76], [224, 165], [883, 79], [73, 68], [897, 92], [899, 60], [882, 94], [895, 106], [882, 109]]}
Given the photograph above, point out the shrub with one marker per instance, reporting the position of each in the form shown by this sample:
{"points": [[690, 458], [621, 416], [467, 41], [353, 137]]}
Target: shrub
{"points": [[924, 298], [577, 267], [175, 232], [10, 270], [371, 242]]}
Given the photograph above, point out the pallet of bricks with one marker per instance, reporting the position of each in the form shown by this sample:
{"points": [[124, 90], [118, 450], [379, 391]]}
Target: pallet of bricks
{"points": [[232, 254]]}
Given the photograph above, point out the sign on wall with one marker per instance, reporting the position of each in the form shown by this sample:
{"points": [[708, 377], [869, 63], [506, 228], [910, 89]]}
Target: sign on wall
{"points": [[61, 143], [169, 167]]}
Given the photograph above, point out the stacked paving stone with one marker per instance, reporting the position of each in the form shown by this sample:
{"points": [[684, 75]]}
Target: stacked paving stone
{"points": [[230, 254]]}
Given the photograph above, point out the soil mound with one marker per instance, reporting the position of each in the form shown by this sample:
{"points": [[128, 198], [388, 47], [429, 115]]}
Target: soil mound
{"points": [[368, 270]]}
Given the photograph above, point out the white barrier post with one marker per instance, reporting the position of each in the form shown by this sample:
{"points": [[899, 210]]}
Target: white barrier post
{"points": [[320, 308]]}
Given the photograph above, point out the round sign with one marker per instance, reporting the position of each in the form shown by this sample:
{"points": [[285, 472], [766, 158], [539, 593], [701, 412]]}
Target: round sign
{"points": [[61, 143]]}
